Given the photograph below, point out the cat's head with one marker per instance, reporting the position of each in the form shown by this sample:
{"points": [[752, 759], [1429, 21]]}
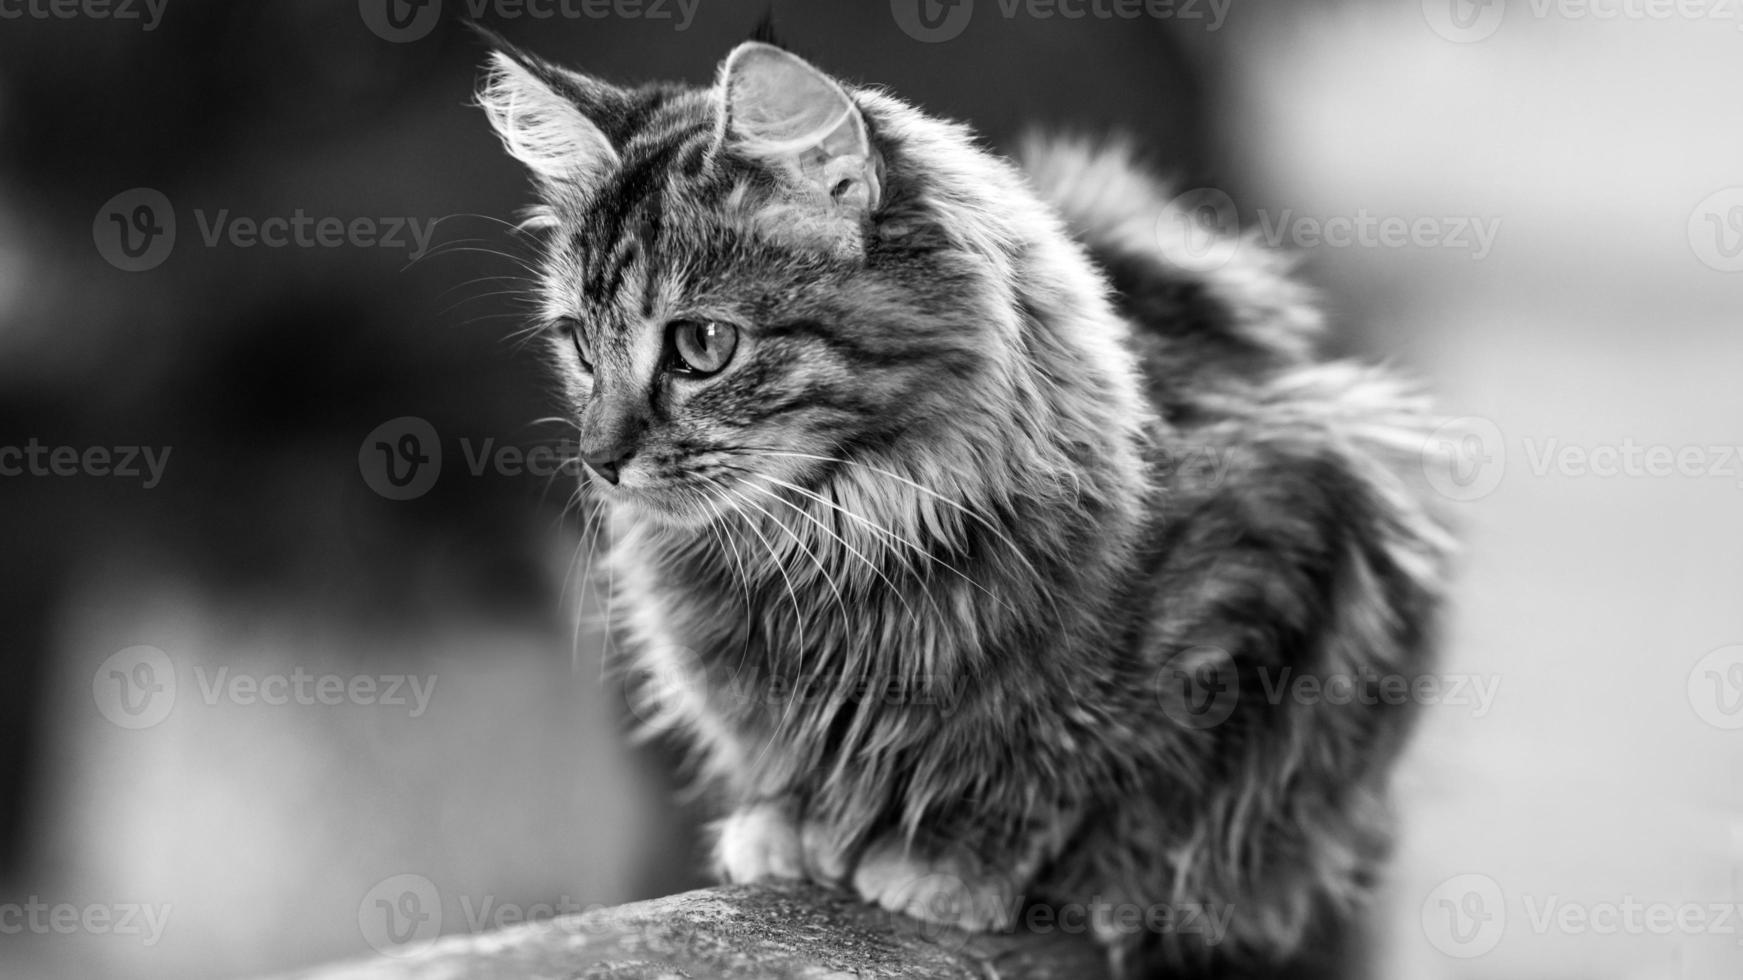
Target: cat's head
{"points": [[744, 284]]}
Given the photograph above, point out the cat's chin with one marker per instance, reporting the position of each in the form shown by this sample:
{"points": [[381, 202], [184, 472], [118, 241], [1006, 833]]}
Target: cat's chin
{"points": [[658, 508]]}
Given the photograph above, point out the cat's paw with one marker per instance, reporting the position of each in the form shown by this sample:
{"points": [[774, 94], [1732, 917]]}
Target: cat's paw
{"points": [[758, 842], [826, 854], [952, 890]]}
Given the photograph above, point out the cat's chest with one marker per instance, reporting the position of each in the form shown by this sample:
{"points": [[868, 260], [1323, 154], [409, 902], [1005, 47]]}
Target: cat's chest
{"points": [[743, 644]]}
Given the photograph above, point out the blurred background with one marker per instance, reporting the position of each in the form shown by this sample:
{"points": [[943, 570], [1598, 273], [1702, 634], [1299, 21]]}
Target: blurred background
{"points": [[272, 695]]}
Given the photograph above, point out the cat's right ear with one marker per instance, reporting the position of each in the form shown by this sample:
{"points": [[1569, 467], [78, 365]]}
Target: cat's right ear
{"points": [[545, 117]]}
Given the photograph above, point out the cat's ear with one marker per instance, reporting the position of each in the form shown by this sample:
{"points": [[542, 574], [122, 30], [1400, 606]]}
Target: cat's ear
{"points": [[778, 109], [546, 118]]}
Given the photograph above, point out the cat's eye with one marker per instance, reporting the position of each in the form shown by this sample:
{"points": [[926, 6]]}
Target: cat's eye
{"points": [[701, 347], [572, 328]]}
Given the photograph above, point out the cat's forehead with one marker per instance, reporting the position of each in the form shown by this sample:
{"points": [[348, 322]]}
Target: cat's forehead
{"points": [[654, 257], [662, 226]]}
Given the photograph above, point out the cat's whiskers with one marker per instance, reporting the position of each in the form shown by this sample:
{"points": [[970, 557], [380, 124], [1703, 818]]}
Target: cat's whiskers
{"points": [[598, 519], [727, 545], [959, 573], [566, 466], [518, 294], [798, 620], [884, 534], [583, 554], [464, 245], [725, 512], [894, 590], [774, 556], [527, 280], [802, 512], [493, 219], [928, 491], [804, 549]]}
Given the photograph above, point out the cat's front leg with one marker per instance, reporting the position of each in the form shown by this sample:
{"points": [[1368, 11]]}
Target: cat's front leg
{"points": [[767, 840], [945, 885], [758, 841]]}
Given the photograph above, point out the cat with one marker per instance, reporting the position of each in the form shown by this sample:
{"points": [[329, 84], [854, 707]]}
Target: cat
{"points": [[966, 520]]}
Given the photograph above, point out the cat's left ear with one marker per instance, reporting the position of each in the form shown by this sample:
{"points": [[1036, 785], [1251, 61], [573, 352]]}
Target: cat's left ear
{"points": [[781, 110], [546, 117]]}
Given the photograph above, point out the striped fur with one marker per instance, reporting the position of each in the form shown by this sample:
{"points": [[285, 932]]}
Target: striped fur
{"points": [[916, 575]]}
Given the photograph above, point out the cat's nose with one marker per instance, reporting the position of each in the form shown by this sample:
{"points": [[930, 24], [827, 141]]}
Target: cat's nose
{"points": [[611, 428], [605, 463]]}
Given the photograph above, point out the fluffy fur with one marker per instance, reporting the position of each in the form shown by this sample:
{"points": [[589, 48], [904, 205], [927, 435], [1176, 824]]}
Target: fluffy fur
{"points": [[927, 576]]}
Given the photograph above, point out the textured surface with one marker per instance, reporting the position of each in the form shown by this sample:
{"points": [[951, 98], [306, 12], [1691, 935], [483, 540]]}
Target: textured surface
{"points": [[787, 931]]}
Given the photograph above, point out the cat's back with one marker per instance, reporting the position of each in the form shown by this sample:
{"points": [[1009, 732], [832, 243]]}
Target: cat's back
{"points": [[1208, 307]]}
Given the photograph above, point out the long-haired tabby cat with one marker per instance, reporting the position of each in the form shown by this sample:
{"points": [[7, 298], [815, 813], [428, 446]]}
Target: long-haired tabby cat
{"points": [[977, 533]]}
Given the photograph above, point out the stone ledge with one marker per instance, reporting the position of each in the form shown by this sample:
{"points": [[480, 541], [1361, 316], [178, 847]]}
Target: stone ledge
{"points": [[764, 931]]}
